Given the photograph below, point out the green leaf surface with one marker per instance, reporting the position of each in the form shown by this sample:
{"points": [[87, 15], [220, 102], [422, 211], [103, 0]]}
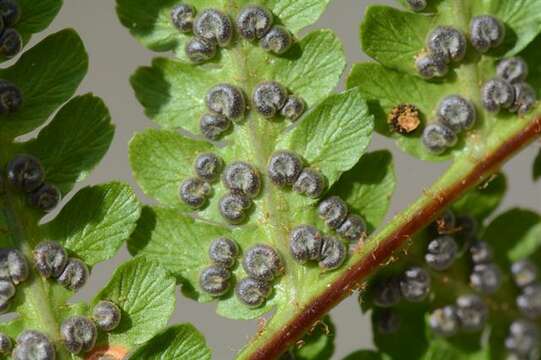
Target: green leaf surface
{"points": [[384, 89], [529, 245], [394, 38], [514, 234], [498, 334], [179, 242], [483, 200], [12, 327], [468, 346], [409, 342], [319, 59], [537, 167], [145, 293], [333, 136], [318, 344], [365, 355], [297, 14], [87, 132], [96, 221], [161, 160], [161, 88], [36, 15], [45, 85], [368, 187], [521, 17], [149, 21], [531, 56], [177, 342], [87, 227], [441, 349], [162, 91]]}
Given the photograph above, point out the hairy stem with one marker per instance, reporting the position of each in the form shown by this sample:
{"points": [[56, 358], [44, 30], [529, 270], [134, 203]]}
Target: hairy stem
{"points": [[466, 173]]}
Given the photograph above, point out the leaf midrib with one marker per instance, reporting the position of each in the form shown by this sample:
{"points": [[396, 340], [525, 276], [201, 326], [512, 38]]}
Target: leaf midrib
{"points": [[470, 79], [25, 237], [277, 224]]}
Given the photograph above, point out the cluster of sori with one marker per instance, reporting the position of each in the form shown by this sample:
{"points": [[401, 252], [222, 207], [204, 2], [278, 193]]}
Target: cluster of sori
{"points": [[11, 41], [335, 213], [52, 262], [442, 251], [455, 115], [30, 344], [523, 339], [307, 243], [271, 98], [263, 264], [469, 314], [526, 278], [449, 226], [25, 173], [446, 44], [412, 285], [196, 190], [486, 277], [216, 279], [386, 321], [417, 5], [286, 169], [255, 22], [213, 28], [78, 334], [244, 183], [241, 179], [226, 103], [509, 89], [13, 271], [11, 98]]}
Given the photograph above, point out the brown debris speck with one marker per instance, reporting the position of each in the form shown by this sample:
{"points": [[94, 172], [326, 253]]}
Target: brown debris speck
{"points": [[404, 118], [443, 228], [261, 323], [111, 352]]}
